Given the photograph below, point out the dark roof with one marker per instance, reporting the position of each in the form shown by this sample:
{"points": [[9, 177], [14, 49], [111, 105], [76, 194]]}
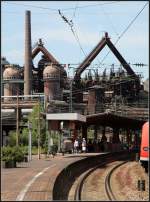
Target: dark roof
{"points": [[111, 120]]}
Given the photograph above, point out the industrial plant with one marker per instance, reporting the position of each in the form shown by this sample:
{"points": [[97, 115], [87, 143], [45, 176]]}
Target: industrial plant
{"points": [[76, 131], [118, 91]]}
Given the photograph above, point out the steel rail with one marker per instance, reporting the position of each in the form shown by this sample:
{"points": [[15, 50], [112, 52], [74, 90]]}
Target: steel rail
{"points": [[78, 190], [108, 188], [77, 196]]}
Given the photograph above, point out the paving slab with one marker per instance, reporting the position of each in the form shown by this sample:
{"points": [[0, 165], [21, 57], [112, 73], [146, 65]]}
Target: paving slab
{"points": [[33, 181]]}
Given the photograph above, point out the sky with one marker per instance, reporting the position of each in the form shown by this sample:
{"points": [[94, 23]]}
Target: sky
{"points": [[90, 20]]}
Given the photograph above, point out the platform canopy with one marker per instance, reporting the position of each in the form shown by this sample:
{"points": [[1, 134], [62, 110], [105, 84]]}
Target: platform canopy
{"points": [[112, 120], [66, 117]]}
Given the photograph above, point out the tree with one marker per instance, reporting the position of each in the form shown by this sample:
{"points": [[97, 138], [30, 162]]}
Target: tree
{"points": [[24, 137], [33, 118], [12, 138]]}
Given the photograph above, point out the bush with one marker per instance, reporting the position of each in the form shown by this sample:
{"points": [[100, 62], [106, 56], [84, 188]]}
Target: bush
{"points": [[12, 138], [7, 154], [18, 154], [24, 136], [25, 150], [12, 154], [34, 150]]}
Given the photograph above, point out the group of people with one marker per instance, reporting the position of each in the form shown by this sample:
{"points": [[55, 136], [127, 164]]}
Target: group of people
{"points": [[96, 146], [80, 146]]}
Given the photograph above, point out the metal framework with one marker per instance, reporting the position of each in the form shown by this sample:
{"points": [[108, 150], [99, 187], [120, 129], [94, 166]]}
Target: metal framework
{"points": [[87, 61], [45, 52]]}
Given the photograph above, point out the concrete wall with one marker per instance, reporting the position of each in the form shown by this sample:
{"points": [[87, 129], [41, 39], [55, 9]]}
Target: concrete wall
{"points": [[66, 178]]}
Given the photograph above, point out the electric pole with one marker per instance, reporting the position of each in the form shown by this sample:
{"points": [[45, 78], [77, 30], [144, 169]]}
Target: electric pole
{"points": [[71, 96], [29, 142], [17, 121], [39, 129], [71, 88]]}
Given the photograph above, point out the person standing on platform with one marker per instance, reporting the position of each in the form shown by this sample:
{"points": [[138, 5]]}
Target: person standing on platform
{"points": [[80, 144], [84, 145], [76, 146]]}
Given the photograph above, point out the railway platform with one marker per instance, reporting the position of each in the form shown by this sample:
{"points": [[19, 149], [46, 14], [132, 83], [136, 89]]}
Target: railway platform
{"points": [[33, 181]]}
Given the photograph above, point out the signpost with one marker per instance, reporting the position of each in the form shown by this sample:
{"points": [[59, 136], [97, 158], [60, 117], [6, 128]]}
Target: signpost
{"points": [[141, 187], [61, 136], [30, 142]]}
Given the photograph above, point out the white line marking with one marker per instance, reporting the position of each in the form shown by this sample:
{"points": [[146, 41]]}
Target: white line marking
{"points": [[21, 195]]}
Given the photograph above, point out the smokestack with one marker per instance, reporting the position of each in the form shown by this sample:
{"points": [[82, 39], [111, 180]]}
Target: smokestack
{"points": [[28, 55]]}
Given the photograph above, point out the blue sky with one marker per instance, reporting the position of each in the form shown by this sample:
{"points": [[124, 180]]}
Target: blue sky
{"points": [[90, 20]]}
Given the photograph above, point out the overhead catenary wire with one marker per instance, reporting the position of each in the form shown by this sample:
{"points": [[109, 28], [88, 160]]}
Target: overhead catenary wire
{"points": [[77, 39], [103, 64], [77, 36], [75, 9], [120, 36], [52, 14], [35, 13], [56, 9], [70, 23], [15, 89], [106, 14], [28, 5], [78, 91], [116, 82], [74, 31], [86, 6]]}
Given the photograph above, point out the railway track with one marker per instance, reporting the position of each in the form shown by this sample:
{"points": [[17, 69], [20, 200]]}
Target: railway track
{"points": [[107, 186], [75, 175], [78, 190], [111, 196]]}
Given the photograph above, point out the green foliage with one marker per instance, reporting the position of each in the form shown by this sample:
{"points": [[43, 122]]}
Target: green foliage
{"points": [[56, 137], [33, 118], [12, 138], [24, 150], [23, 140], [12, 154], [18, 154], [23, 136], [90, 134], [7, 154], [45, 145], [34, 150], [34, 138]]}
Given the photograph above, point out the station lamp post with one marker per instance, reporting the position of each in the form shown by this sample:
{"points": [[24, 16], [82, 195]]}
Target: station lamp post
{"points": [[17, 120], [39, 130], [61, 134], [30, 142], [70, 110]]}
